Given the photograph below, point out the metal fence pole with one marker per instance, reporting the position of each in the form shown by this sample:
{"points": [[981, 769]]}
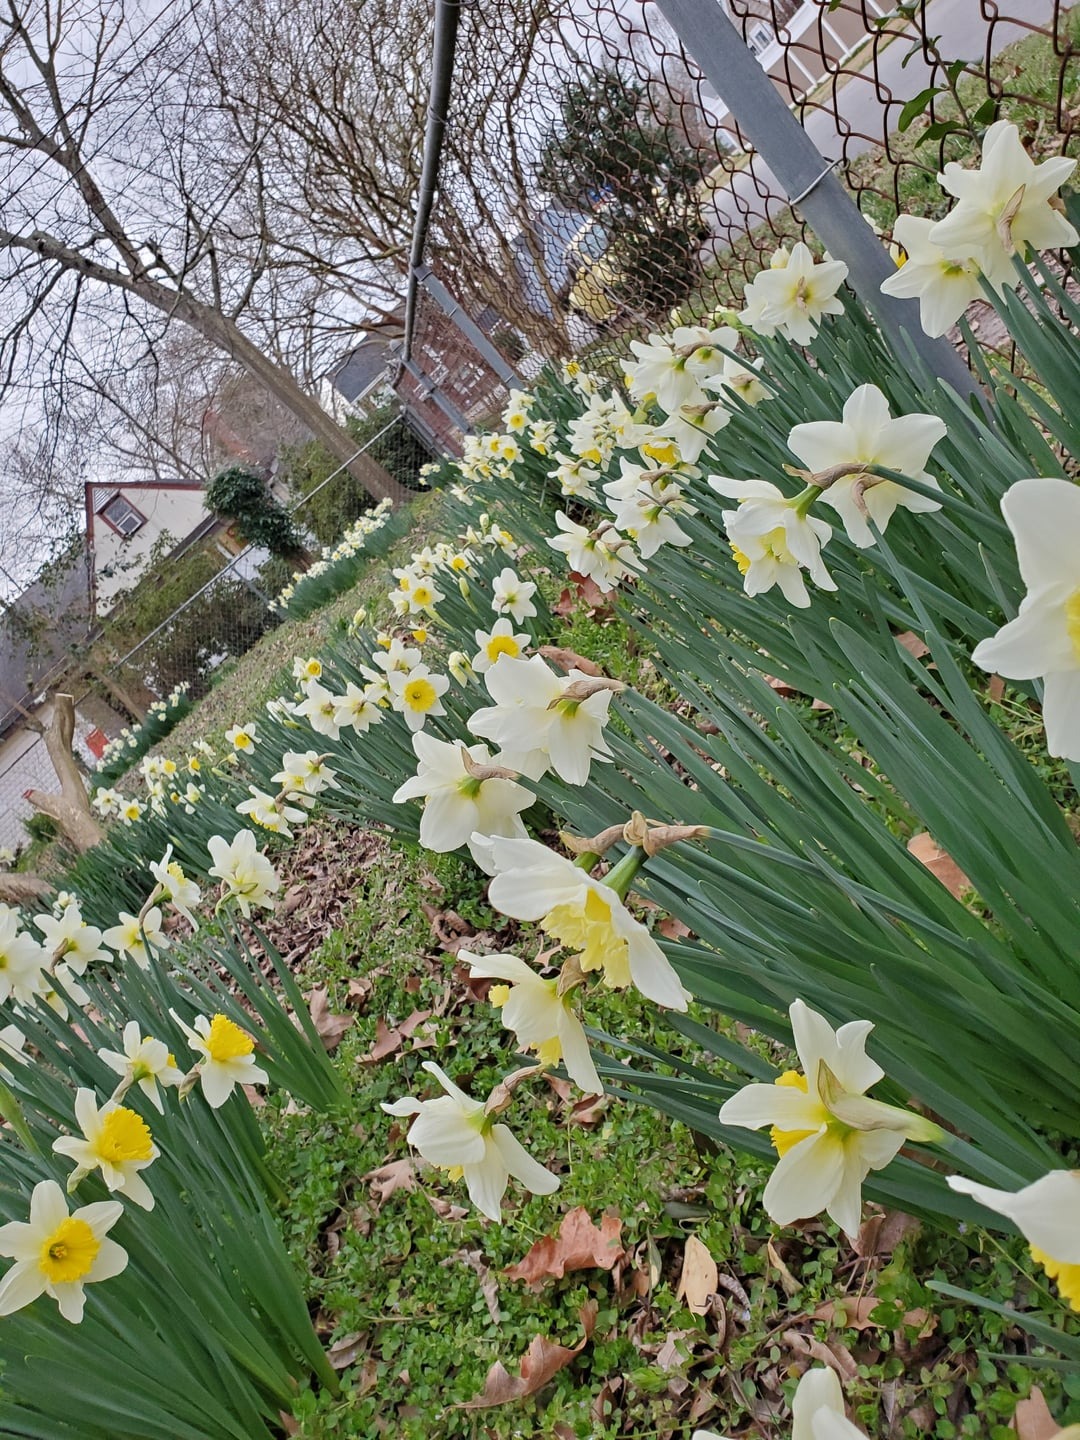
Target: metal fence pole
{"points": [[806, 177], [430, 391], [456, 313]]}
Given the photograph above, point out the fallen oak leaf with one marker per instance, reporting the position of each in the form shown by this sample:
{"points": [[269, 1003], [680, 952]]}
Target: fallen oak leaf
{"points": [[579, 1245], [347, 1350], [328, 1026], [387, 1180], [541, 1362], [388, 1040]]}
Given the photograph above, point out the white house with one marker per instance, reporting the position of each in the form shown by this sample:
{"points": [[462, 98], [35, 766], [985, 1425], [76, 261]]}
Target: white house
{"points": [[126, 519]]}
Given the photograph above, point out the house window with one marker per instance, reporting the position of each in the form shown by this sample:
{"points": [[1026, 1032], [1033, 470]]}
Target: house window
{"points": [[123, 516], [759, 37]]}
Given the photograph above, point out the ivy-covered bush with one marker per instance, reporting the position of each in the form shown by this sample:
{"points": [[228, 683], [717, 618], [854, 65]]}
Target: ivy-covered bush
{"points": [[242, 495]]}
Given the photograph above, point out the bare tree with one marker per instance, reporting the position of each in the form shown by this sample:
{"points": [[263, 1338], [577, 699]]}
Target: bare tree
{"points": [[132, 204]]}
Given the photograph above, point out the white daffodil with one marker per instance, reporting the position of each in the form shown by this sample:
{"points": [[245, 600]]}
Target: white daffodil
{"points": [[132, 810], [131, 936], [772, 541], [227, 1057], [310, 669], [180, 892], [115, 1140], [1004, 206], [1047, 1214], [242, 738], [542, 721], [650, 511], [869, 435], [304, 774], [1044, 638], [691, 427], [270, 813], [586, 916], [58, 1252], [602, 555], [943, 285], [576, 478], [319, 708], [460, 801], [817, 1411], [145, 1062], [358, 709], [416, 695], [497, 642], [22, 960], [456, 1133], [395, 655], [792, 299], [541, 1018], [827, 1133], [741, 378], [510, 595], [248, 876], [107, 801], [69, 938], [672, 368]]}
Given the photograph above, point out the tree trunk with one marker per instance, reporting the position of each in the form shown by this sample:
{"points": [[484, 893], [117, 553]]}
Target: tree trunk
{"points": [[71, 807], [282, 384], [22, 888], [122, 694], [223, 332]]}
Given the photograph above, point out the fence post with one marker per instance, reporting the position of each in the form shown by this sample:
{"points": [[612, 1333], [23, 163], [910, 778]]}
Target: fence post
{"points": [[806, 177], [430, 391], [455, 312]]}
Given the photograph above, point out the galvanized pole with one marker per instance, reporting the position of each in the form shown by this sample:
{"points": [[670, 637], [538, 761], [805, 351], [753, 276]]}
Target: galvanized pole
{"points": [[454, 311], [430, 391], [806, 177]]}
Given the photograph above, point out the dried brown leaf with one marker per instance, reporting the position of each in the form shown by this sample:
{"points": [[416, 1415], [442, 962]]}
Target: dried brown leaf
{"points": [[543, 1360], [914, 644], [330, 1027], [387, 1179], [697, 1283], [347, 1350], [579, 1245], [1032, 1419]]}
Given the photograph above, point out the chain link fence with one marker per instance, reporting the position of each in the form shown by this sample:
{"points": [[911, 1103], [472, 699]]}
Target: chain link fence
{"points": [[590, 179], [226, 616]]}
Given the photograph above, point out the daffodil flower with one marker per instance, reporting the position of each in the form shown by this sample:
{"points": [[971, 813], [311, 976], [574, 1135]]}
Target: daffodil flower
{"points": [[176, 888], [869, 434], [1044, 638], [584, 915], [227, 1054], [132, 935], [116, 1141], [512, 596], [1047, 1214], [817, 1411], [57, 1253], [542, 1019], [319, 708], [458, 1134], [773, 541], [459, 799], [417, 694], [248, 876], [242, 738], [144, 1062], [69, 938], [827, 1133], [793, 298], [498, 642], [542, 721], [943, 285], [1004, 205], [22, 960]]}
